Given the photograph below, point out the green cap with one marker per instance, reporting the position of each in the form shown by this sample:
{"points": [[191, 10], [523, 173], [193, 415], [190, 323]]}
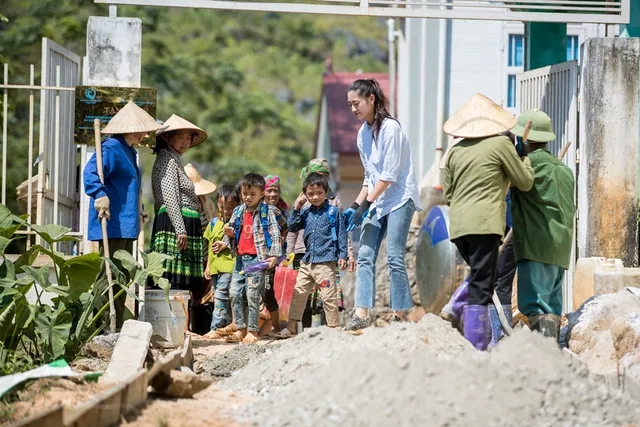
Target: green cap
{"points": [[541, 129]]}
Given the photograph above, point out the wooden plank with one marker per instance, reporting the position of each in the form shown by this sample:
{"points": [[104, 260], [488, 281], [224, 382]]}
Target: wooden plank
{"points": [[187, 353], [135, 393], [101, 411], [51, 418], [166, 364]]}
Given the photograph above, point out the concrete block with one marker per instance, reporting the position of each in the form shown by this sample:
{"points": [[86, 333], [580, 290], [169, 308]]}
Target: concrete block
{"points": [[610, 279], [583, 279], [130, 351], [608, 172], [114, 51]]}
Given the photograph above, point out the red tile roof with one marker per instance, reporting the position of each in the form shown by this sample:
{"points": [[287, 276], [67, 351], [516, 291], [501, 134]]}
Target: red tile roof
{"points": [[343, 125]]}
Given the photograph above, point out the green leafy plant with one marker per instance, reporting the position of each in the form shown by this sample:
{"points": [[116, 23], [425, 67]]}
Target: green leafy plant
{"points": [[64, 315]]}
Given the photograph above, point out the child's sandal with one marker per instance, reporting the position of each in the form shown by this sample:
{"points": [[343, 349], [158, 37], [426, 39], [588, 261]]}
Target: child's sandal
{"points": [[235, 338], [226, 331], [283, 334]]}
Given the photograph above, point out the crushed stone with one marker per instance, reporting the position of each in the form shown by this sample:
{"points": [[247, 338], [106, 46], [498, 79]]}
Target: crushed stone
{"points": [[423, 374], [225, 364]]}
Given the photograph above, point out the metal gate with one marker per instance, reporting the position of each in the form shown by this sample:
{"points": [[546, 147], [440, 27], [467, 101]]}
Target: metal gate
{"points": [[57, 191], [50, 196], [554, 90]]}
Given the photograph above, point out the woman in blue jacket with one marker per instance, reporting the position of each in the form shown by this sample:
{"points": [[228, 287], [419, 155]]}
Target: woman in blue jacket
{"points": [[118, 199]]}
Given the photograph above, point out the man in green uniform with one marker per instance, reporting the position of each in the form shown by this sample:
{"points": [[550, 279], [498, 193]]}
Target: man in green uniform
{"points": [[542, 228], [476, 175]]}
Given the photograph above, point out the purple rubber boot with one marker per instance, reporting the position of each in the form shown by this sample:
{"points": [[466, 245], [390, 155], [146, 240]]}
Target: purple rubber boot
{"points": [[476, 325], [460, 299], [452, 312]]}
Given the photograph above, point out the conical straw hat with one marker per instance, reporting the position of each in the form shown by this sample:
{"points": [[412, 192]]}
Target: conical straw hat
{"points": [[445, 156], [479, 117], [131, 119], [202, 186], [178, 123]]}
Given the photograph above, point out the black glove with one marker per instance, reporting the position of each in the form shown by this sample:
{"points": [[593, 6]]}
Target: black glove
{"points": [[361, 212]]}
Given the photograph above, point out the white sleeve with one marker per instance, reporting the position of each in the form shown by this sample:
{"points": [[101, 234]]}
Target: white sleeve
{"points": [[392, 152]]}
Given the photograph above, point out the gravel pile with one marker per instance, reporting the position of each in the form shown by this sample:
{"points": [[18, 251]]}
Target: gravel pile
{"points": [[423, 374]]}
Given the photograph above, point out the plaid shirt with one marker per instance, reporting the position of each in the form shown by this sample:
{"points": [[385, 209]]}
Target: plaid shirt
{"points": [[262, 250]]}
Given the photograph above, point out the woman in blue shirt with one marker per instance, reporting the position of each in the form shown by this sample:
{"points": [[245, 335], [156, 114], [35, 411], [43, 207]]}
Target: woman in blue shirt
{"points": [[118, 199], [387, 201]]}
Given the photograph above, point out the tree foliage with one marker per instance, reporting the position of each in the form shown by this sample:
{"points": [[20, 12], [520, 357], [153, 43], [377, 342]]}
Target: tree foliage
{"points": [[251, 80]]}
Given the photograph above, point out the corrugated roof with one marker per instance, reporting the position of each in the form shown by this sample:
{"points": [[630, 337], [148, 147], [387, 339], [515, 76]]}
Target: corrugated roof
{"points": [[343, 125]]}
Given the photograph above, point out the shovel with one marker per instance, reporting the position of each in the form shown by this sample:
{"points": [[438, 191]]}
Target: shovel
{"points": [[105, 237]]}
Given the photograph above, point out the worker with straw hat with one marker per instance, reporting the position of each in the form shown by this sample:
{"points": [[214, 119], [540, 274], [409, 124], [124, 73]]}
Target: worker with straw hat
{"points": [[118, 199], [476, 175], [542, 228], [177, 228]]}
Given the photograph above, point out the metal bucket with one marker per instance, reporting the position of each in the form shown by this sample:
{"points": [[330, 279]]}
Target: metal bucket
{"points": [[439, 266]]}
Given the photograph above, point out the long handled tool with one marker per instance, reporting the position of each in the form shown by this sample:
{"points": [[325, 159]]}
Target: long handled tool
{"points": [[105, 237], [496, 301]]}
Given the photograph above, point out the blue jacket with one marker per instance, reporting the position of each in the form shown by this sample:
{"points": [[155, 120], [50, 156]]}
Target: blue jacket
{"points": [[122, 183]]}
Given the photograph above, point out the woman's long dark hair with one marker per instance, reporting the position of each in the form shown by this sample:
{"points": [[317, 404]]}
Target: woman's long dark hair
{"points": [[365, 88]]}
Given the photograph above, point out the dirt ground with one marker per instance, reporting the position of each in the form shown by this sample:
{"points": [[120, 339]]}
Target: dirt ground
{"points": [[205, 409], [48, 393]]}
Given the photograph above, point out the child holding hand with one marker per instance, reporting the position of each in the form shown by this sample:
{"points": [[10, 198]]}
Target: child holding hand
{"points": [[325, 238]]}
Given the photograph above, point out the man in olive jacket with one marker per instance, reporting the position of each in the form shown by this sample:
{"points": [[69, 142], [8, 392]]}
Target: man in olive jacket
{"points": [[476, 176], [542, 228]]}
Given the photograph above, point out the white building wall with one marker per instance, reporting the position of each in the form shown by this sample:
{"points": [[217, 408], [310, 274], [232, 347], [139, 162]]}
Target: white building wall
{"points": [[477, 61]]}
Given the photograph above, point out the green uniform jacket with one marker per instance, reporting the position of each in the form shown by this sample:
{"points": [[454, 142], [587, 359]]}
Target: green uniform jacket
{"points": [[543, 216], [475, 184]]}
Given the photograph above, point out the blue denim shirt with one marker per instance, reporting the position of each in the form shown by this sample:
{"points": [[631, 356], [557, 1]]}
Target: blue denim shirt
{"points": [[122, 182], [318, 237]]}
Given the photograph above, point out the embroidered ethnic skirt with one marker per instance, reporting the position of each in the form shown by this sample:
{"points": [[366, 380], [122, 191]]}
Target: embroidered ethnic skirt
{"points": [[186, 269]]}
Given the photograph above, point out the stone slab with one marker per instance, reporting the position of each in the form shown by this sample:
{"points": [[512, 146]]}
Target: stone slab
{"points": [[130, 351], [114, 51]]}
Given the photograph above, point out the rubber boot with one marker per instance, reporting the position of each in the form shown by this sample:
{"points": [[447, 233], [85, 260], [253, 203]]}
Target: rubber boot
{"points": [[547, 324], [452, 312], [497, 332], [476, 325]]}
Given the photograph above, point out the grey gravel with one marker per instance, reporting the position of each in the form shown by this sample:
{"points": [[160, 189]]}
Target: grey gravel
{"points": [[423, 374]]}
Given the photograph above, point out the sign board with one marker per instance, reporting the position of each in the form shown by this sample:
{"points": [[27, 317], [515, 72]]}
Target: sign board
{"points": [[100, 102]]}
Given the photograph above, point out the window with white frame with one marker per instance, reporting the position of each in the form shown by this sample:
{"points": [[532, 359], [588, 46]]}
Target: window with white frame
{"points": [[515, 65], [573, 48]]}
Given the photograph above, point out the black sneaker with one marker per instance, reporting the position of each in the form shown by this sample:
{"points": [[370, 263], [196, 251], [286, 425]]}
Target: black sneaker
{"points": [[357, 323]]}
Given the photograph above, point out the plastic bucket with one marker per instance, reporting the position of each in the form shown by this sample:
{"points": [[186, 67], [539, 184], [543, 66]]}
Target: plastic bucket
{"points": [[168, 321], [284, 283]]}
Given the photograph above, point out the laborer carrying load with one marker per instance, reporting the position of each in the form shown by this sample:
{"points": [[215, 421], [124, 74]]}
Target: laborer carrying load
{"points": [[476, 176], [542, 227]]}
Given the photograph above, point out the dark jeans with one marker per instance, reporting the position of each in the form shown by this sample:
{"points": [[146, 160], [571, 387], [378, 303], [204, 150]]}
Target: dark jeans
{"points": [[506, 273], [480, 251], [115, 245]]}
